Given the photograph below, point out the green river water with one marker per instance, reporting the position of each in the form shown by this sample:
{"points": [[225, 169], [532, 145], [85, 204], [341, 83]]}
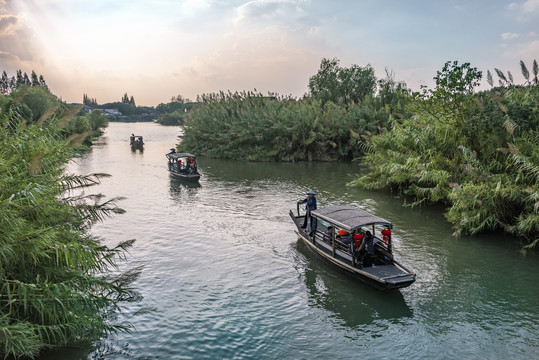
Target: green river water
{"points": [[225, 276]]}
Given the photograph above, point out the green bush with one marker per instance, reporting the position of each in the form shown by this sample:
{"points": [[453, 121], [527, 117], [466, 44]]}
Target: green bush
{"points": [[480, 160], [55, 282], [271, 128]]}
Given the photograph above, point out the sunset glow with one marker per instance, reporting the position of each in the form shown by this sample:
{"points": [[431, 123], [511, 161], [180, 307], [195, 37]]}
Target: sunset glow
{"points": [[154, 50]]}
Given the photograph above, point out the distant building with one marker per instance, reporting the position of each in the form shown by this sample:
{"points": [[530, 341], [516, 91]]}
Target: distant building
{"points": [[111, 112]]}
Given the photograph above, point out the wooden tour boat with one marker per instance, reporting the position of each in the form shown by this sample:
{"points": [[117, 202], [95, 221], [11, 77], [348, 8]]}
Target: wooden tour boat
{"points": [[340, 246], [136, 142], [183, 165]]}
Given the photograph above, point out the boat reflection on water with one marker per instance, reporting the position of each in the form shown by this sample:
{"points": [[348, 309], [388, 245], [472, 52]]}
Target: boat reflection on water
{"points": [[179, 189], [353, 302]]}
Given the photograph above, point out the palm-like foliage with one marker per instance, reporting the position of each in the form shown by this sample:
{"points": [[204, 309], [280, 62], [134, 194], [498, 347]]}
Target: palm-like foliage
{"points": [[482, 161], [53, 283]]}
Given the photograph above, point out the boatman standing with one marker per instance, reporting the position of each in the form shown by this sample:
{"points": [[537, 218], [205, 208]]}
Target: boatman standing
{"points": [[310, 202]]}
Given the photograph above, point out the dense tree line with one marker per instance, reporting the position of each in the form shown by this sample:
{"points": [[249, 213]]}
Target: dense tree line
{"points": [[174, 112], [37, 104], [474, 152], [127, 109], [7, 84], [86, 100], [92, 102], [55, 283], [128, 100]]}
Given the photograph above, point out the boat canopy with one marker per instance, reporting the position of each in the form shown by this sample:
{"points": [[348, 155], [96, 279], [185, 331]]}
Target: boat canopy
{"points": [[176, 156], [348, 217]]}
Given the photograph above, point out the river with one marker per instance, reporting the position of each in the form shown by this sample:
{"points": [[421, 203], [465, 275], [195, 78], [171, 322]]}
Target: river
{"points": [[225, 276]]}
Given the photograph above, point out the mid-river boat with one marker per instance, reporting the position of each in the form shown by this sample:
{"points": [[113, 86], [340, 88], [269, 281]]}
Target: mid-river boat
{"points": [[378, 268], [136, 142], [183, 166]]}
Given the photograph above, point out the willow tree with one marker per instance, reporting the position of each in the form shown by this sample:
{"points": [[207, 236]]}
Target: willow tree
{"points": [[55, 281]]}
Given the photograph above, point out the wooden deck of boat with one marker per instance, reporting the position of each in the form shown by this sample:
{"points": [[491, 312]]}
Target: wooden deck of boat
{"points": [[384, 271], [390, 275]]}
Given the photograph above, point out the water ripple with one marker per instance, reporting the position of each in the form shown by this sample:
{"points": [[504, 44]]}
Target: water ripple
{"points": [[225, 276]]}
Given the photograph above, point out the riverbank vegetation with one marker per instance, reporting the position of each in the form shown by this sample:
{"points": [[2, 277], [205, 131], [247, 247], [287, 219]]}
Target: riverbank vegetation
{"points": [[56, 284], [125, 110], [10, 84], [175, 112], [328, 124], [477, 153], [474, 152]]}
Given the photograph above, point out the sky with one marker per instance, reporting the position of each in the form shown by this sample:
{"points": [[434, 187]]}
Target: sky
{"points": [[156, 50]]}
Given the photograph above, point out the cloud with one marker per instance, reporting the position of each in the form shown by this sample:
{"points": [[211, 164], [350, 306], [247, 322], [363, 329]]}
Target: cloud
{"points": [[510, 36], [530, 6], [526, 11], [7, 23], [16, 41], [280, 11], [9, 59]]}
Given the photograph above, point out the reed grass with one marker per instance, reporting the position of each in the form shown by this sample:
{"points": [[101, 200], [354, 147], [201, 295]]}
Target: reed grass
{"points": [[56, 282]]}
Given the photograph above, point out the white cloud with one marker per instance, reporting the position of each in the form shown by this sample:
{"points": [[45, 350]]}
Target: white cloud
{"points": [[274, 10], [510, 36], [17, 42], [530, 6], [8, 22], [526, 11]]}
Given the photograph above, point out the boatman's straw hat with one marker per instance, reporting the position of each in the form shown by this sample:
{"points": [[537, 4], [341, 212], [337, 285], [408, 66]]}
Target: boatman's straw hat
{"points": [[310, 192]]}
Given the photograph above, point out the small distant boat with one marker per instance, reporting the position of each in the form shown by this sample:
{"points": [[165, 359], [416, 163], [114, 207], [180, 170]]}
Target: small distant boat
{"points": [[341, 248], [183, 165], [136, 142]]}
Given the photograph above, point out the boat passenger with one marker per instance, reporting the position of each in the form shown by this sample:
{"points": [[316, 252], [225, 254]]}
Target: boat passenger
{"points": [[328, 234], [386, 233], [345, 236], [310, 202], [357, 237], [367, 246]]}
